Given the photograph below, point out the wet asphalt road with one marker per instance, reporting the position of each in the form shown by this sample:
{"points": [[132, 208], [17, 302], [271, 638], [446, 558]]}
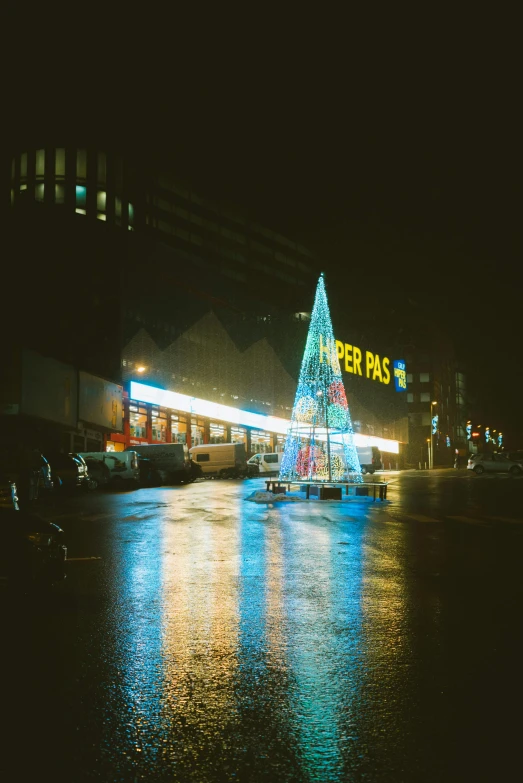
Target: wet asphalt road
{"points": [[200, 637]]}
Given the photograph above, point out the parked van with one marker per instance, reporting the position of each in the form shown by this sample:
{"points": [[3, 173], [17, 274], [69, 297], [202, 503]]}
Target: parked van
{"points": [[370, 458], [268, 464], [225, 460], [123, 465], [170, 461]]}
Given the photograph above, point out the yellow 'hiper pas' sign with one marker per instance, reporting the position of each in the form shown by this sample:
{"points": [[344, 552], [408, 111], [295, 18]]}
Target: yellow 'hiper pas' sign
{"points": [[350, 358]]}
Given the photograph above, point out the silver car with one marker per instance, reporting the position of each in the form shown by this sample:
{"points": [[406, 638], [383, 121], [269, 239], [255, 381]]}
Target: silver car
{"points": [[495, 463]]}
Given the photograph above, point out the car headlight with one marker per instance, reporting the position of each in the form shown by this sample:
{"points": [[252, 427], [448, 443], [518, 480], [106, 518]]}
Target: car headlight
{"points": [[39, 539]]}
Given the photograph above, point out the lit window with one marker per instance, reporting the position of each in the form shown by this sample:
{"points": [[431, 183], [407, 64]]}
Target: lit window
{"points": [[410, 397], [81, 196], [23, 165], [101, 200], [424, 377], [40, 163], [39, 192], [12, 197], [59, 194], [81, 211], [59, 166], [409, 377], [101, 216], [81, 164], [131, 214], [424, 397]]}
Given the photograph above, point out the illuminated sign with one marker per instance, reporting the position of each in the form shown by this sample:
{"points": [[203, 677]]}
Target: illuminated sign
{"points": [[469, 431], [487, 434], [475, 434], [352, 359], [435, 420], [260, 421], [400, 375]]}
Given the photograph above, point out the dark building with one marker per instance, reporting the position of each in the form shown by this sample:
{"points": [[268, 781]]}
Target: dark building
{"points": [[121, 270]]}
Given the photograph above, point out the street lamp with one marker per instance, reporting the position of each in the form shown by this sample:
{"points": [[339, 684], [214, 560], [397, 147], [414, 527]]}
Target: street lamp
{"points": [[431, 436]]}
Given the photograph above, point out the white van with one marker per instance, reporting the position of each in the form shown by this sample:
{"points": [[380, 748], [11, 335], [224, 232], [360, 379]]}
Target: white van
{"points": [[225, 460], [268, 464], [123, 465]]}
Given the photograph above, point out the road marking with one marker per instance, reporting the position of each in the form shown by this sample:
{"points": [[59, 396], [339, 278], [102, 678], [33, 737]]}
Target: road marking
{"points": [[422, 518], [507, 519], [468, 520]]}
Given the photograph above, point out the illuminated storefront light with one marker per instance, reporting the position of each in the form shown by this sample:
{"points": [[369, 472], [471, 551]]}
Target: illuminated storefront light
{"points": [[214, 410]]}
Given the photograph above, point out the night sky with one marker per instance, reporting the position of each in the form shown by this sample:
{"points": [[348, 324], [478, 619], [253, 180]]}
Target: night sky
{"points": [[394, 155]]}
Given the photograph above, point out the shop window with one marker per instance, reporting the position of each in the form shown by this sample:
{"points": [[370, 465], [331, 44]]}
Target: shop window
{"points": [[178, 430], [424, 397], [81, 164], [217, 433], [137, 421], [59, 163], [261, 442], [239, 435], [197, 433], [159, 425], [40, 164]]}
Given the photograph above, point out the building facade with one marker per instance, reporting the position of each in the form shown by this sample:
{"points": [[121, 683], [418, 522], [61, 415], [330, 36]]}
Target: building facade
{"points": [[138, 278]]}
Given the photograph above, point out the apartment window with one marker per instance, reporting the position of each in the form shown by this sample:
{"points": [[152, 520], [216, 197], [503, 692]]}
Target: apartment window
{"points": [[409, 377], [59, 194], [40, 163], [39, 192], [131, 214], [424, 397], [101, 200], [424, 377], [81, 164], [102, 168], [81, 196], [59, 163], [410, 397]]}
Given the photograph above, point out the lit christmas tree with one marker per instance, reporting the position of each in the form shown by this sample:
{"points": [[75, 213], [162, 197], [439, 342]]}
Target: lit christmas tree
{"points": [[320, 441]]}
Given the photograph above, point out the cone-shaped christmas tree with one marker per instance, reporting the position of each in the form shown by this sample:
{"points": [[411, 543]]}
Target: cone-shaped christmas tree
{"points": [[320, 441]]}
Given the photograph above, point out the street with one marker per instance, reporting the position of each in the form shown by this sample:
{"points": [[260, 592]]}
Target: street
{"points": [[201, 637]]}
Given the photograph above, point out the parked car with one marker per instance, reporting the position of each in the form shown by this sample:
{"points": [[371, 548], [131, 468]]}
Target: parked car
{"points": [[68, 471], [268, 464], [223, 460], [170, 460], [122, 465], [32, 551], [99, 473], [495, 463]]}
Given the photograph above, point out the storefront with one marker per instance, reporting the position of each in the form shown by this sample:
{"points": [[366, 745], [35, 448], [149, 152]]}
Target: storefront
{"points": [[153, 420]]}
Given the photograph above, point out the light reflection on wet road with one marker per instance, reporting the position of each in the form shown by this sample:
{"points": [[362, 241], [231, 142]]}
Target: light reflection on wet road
{"points": [[218, 639]]}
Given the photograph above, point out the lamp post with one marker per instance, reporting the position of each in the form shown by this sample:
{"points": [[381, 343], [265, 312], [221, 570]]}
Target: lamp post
{"points": [[431, 466]]}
